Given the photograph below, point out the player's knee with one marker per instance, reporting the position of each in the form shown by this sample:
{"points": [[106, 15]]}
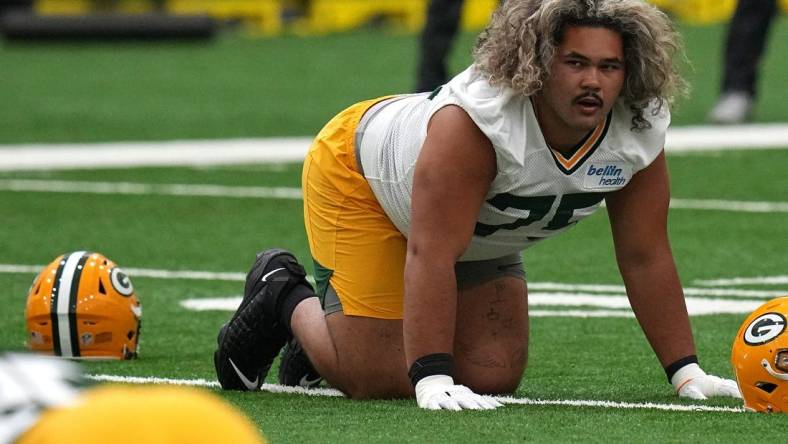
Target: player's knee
{"points": [[486, 371], [502, 383]]}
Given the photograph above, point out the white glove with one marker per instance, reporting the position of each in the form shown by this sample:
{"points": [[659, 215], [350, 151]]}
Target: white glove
{"points": [[438, 392], [692, 382]]}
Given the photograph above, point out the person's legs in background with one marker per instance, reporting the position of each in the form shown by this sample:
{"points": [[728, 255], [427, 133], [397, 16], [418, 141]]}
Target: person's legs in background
{"points": [[443, 22], [744, 47]]}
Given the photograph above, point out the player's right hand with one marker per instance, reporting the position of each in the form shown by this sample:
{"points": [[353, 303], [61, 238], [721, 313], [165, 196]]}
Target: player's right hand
{"points": [[692, 382], [438, 392]]}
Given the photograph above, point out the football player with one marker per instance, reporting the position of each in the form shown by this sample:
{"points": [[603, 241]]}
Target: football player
{"points": [[417, 208]]}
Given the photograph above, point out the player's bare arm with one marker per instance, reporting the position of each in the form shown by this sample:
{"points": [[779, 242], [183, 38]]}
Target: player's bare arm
{"points": [[452, 176], [638, 217], [453, 173]]}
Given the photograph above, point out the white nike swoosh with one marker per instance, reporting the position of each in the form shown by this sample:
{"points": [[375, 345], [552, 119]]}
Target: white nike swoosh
{"points": [[265, 276], [251, 385], [306, 382]]}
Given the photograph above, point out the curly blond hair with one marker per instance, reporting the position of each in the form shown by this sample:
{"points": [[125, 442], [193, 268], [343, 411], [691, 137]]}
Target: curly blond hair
{"points": [[517, 47]]}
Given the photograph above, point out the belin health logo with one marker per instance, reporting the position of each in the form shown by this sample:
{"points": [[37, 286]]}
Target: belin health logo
{"points": [[607, 175]]}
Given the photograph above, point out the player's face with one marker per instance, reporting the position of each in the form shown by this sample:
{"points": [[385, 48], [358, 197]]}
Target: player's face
{"points": [[586, 78]]}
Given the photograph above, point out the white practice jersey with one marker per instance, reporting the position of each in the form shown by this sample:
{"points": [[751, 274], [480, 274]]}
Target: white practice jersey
{"points": [[537, 192]]}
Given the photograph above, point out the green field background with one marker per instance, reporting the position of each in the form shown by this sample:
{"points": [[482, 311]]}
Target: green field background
{"points": [[237, 87]]}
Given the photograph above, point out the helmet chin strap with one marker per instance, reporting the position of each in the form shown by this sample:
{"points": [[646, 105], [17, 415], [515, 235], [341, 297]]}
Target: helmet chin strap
{"points": [[765, 364]]}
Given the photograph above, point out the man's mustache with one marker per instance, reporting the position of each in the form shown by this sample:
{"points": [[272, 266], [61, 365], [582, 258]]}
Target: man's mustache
{"points": [[590, 95]]}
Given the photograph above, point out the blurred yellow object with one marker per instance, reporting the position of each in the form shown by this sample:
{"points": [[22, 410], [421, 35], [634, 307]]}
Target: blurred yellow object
{"points": [[78, 7], [701, 12], [327, 16], [151, 415], [476, 13], [264, 16], [705, 11]]}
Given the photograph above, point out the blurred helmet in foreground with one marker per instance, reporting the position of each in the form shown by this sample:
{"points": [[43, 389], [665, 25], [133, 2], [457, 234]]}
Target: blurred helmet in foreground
{"points": [[82, 305], [45, 400], [162, 414], [760, 358]]}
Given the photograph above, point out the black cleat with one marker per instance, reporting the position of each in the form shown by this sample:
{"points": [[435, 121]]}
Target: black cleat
{"points": [[250, 341], [295, 368]]}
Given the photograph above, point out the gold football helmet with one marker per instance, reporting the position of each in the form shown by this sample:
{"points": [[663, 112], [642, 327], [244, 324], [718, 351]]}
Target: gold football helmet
{"points": [[760, 358], [82, 305], [162, 414]]}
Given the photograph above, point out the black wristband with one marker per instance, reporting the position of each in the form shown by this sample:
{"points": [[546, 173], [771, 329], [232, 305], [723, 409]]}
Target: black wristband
{"points": [[671, 369], [434, 364]]}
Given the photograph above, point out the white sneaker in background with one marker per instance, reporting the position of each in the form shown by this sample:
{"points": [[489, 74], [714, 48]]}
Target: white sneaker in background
{"points": [[732, 108]]}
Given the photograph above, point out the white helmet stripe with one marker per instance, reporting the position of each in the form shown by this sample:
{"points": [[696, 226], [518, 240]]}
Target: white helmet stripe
{"points": [[64, 296]]}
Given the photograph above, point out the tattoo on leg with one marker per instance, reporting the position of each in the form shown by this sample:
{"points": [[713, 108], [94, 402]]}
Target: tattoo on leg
{"points": [[500, 322]]}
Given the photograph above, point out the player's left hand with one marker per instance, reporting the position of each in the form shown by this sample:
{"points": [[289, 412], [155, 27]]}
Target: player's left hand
{"points": [[692, 382]]}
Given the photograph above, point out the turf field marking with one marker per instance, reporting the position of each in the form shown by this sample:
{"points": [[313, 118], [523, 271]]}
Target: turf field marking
{"points": [[596, 288], [154, 153], [729, 205], [585, 314], [186, 274], [144, 272], [612, 305], [718, 138], [548, 286], [65, 186], [547, 294], [293, 149], [204, 190], [273, 388], [276, 388], [765, 280], [620, 405]]}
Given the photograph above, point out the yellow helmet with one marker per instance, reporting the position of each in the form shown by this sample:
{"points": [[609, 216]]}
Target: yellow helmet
{"points": [[760, 358], [82, 305], [162, 414]]}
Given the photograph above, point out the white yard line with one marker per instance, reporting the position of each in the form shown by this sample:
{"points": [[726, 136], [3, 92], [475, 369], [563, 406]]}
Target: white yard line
{"points": [[584, 314], [293, 149], [762, 280], [144, 272], [583, 305], [683, 139], [544, 287], [729, 205], [205, 190], [192, 190], [689, 291], [155, 153], [620, 405], [276, 388]]}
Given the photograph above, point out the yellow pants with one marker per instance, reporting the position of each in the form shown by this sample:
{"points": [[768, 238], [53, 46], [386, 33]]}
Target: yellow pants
{"points": [[354, 245]]}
